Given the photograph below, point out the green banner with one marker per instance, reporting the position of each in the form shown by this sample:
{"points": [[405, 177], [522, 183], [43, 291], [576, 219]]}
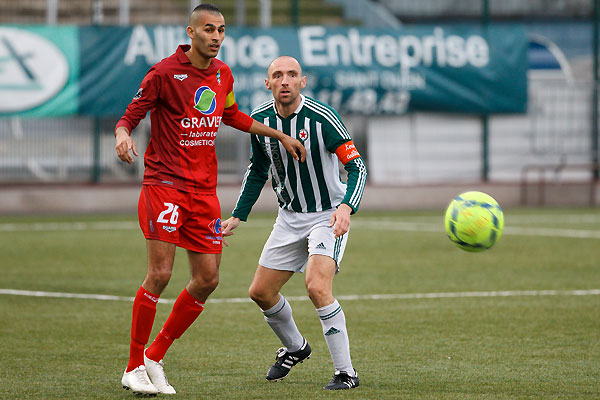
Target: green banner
{"points": [[39, 70], [97, 70]]}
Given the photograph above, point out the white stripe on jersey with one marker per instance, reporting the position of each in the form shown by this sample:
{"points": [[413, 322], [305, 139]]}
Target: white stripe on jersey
{"points": [[263, 107], [329, 116], [274, 174], [244, 182], [360, 182], [331, 172], [299, 189], [311, 168], [283, 155]]}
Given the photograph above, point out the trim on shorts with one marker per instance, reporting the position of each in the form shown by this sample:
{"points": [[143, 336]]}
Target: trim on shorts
{"points": [[277, 268], [195, 250], [337, 247]]}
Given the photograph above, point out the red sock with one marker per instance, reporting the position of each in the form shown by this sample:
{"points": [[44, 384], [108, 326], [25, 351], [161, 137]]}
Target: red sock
{"points": [[144, 310], [185, 311]]}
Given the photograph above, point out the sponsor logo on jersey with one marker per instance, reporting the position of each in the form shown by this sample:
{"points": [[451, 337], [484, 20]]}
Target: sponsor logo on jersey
{"points": [[302, 134], [180, 77], [321, 246], [138, 94], [169, 229], [218, 77], [205, 100]]}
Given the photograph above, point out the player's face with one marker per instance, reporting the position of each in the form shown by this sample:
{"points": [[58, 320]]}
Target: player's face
{"points": [[207, 31], [285, 80]]}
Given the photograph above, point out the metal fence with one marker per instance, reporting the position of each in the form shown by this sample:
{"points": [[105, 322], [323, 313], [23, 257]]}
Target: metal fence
{"points": [[556, 130]]}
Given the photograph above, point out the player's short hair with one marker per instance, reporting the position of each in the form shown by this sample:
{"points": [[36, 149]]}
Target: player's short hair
{"points": [[211, 8], [207, 7]]}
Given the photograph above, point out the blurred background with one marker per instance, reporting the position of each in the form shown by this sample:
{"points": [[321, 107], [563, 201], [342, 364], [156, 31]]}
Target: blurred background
{"points": [[440, 96]]}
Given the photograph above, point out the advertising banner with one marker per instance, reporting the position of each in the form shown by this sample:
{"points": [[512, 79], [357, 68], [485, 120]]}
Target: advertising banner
{"points": [[449, 68], [39, 70]]}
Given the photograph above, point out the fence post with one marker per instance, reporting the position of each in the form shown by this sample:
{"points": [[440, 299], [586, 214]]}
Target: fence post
{"points": [[295, 13], [485, 130], [96, 151], [596, 171]]}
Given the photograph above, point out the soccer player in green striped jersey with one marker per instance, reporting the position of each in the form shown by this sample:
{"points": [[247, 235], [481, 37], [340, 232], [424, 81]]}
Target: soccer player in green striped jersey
{"points": [[312, 225]]}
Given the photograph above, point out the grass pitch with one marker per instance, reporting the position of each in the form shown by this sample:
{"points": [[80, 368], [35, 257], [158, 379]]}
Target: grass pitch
{"points": [[511, 346]]}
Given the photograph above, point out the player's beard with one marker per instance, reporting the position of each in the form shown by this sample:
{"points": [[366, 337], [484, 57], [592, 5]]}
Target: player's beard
{"points": [[288, 100]]}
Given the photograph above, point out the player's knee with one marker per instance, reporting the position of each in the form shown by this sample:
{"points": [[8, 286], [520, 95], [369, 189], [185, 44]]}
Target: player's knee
{"points": [[207, 284], [159, 278], [317, 292], [258, 294]]}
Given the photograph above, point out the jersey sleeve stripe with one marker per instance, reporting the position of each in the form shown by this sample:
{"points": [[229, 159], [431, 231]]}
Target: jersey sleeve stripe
{"points": [[330, 116], [262, 107], [243, 185], [360, 185]]}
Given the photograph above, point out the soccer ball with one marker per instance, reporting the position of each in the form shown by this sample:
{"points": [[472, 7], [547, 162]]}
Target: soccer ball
{"points": [[474, 221]]}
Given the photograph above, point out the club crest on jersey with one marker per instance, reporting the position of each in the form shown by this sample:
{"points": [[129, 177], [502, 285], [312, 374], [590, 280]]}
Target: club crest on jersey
{"points": [[302, 134], [218, 76], [205, 100]]}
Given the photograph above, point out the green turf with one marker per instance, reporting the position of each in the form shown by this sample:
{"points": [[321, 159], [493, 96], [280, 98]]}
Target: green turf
{"points": [[444, 348]]}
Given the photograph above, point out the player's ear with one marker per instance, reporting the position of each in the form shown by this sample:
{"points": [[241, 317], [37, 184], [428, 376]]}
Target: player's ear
{"points": [[303, 82], [190, 31], [267, 84]]}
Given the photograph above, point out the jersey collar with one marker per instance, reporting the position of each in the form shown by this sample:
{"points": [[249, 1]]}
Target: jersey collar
{"points": [[180, 53], [295, 112], [183, 58]]}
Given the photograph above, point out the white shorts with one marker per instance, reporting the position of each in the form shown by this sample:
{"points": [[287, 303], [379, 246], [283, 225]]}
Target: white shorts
{"points": [[296, 236]]}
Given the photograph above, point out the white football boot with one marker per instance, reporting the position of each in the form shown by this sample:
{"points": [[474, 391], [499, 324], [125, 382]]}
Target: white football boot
{"points": [[156, 372], [138, 381]]}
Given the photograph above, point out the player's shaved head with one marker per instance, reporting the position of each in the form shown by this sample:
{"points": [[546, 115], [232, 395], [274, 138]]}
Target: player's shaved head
{"points": [[211, 8], [289, 60]]}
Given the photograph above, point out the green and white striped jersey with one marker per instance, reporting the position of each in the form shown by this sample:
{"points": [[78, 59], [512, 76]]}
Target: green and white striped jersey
{"points": [[314, 185]]}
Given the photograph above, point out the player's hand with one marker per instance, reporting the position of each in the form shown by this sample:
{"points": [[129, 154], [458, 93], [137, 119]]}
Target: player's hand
{"points": [[294, 147], [228, 226], [124, 144], [341, 219]]}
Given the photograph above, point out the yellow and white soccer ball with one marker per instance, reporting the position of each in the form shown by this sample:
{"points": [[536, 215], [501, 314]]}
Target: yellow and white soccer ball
{"points": [[474, 221]]}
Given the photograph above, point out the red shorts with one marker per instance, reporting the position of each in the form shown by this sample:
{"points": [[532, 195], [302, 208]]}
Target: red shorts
{"points": [[188, 220]]}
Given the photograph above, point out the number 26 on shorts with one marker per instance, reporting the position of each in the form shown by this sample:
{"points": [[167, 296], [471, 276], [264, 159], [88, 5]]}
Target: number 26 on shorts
{"points": [[171, 209]]}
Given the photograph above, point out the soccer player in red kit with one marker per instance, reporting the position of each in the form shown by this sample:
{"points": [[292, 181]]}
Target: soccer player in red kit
{"points": [[189, 95]]}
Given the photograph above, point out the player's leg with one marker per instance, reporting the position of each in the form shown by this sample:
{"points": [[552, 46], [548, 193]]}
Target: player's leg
{"points": [[326, 253], [189, 304], [161, 213], [319, 284], [160, 264], [264, 290]]}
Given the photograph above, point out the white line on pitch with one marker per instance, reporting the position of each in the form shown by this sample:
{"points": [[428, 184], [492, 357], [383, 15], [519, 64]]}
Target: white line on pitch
{"points": [[399, 296], [362, 223]]}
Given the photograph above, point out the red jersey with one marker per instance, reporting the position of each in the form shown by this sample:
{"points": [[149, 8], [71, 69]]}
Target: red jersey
{"points": [[186, 106]]}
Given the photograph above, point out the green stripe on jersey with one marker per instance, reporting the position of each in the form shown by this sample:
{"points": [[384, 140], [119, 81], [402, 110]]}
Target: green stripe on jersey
{"points": [[314, 185]]}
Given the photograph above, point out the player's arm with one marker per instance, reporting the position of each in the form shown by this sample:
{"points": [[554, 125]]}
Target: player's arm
{"points": [[357, 177], [254, 180], [232, 116], [143, 101], [338, 141]]}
